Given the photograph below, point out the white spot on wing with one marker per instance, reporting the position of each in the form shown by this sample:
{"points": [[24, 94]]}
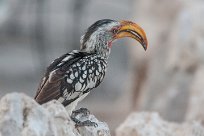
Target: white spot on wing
{"points": [[69, 80], [59, 64], [97, 73], [84, 75], [78, 86], [72, 76], [84, 67], [91, 84], [76, 74], [99, 68], [81, 80], [66, 58], [90, 71]]}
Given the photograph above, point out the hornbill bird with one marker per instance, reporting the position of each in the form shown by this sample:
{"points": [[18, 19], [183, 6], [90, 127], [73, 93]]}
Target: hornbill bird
{"points": [[72, 76]]}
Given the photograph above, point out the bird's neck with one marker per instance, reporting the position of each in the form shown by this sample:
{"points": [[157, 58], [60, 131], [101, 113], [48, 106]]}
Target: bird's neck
{"points": [[99, 46], [103, 51]]}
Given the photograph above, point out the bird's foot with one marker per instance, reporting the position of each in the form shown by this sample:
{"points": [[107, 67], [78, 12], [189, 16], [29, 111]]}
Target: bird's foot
{"points": [[83, 123], [84, 111], [86, 123]]}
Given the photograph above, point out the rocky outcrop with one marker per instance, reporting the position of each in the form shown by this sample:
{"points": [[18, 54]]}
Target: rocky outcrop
{"points": [[151, 124], [20, 115]]}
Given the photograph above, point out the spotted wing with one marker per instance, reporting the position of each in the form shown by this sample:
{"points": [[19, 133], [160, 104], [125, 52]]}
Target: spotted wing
{"points": [[83, 76], [51, 83]]}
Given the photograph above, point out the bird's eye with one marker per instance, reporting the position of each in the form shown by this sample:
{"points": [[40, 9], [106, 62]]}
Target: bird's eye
{"points": [[114, 30]]}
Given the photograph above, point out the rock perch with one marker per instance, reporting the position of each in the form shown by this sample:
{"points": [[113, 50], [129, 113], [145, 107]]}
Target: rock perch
{"points": [[20, 115]]}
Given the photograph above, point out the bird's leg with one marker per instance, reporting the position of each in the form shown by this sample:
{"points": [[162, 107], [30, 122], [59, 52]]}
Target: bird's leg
{"points": [[85, 112], [79, 123]]}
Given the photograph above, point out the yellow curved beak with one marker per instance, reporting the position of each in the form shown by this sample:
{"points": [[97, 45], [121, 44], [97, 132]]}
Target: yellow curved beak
{"points": [[130, 29]]}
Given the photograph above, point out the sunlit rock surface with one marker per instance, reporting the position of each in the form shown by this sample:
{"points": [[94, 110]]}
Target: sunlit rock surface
{"points": [[151, 124], [20, 115]]}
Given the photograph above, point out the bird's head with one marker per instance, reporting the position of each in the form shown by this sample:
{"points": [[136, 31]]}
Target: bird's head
{"points": [[100, 35]]}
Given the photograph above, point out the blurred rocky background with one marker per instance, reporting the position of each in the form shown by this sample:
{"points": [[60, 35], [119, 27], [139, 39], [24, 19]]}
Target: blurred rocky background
{"points": [[168, 78]]}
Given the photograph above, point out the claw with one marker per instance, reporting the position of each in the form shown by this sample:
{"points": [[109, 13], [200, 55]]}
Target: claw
{"points": [[84, 111], [86, 123], [83, 123]]}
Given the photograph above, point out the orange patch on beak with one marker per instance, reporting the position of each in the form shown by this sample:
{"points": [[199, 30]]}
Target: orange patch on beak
{"points": [[130, 29]]}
